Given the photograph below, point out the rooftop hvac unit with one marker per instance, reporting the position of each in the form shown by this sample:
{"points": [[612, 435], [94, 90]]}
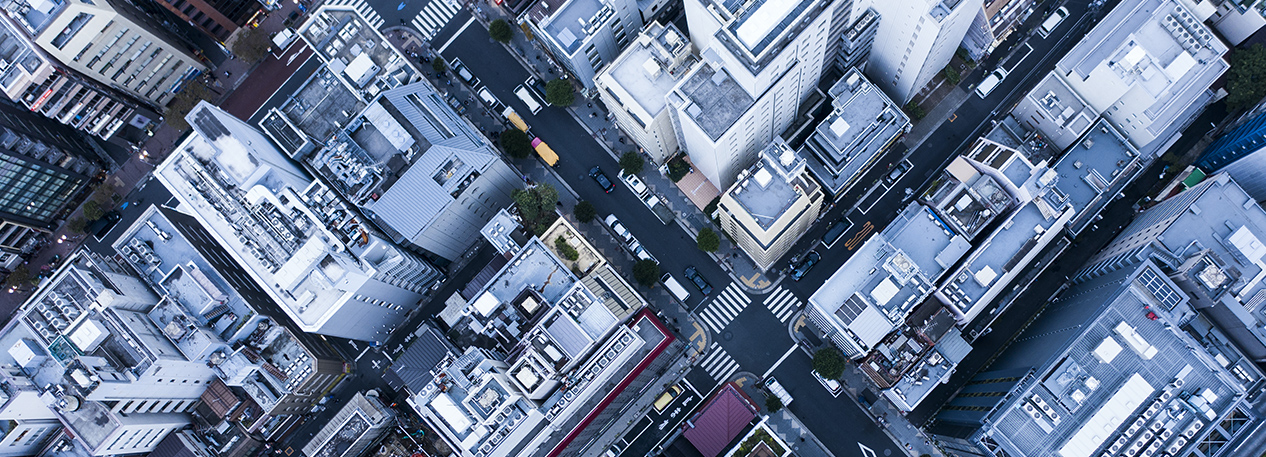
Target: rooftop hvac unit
{"points": [[1114, 448], [1177, 384], [1165, 434]]}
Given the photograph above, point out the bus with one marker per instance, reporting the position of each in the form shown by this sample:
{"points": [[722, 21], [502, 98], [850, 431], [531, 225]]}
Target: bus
{"points": [[528, 99], [545, 152]]}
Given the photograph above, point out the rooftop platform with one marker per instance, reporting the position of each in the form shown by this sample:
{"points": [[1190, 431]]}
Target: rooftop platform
{"points": [[647, 70], [1094, 171], [712, 99], [862, 124], [564, 21]]}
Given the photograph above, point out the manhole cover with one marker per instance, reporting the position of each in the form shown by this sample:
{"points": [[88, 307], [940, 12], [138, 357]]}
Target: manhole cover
{"points": [[887, 451], [727, 336]]}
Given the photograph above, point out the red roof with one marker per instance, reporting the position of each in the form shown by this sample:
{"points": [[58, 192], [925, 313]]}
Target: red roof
{"points": [[720, 421]]}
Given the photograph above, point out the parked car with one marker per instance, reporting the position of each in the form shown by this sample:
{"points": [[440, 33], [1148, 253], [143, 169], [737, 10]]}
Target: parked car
{"points": [[833, 232], [693, 275], [643, 254], [1052, 22], [667, 397], [800, 269], [102, 227], [990, 82], [674, 287], [460, 70], [635, 184], [601, 178], [897, 172], [621, 232]]}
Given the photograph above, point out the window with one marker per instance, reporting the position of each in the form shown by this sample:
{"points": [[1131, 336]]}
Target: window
{"points": [[71, 30]]}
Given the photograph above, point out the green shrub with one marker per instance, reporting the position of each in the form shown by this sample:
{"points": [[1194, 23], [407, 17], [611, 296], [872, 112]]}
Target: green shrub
{"points": [[565, 249], [677, 169], [646, 272], [708, 241], [951, 75]]}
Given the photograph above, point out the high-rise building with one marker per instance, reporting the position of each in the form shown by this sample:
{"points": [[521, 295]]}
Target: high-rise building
{"points": [[1214, 227], [1240, 153], [1121, 364], [46, 166], [88, 341], [217, 18], [863, 124], [29, 424], [116, 45], [771, 205], [758, 63], [584, 35], [994, 22], [386, 141], [1146, 68], [326, 267], [44, 85], [1237, 21], [635, 84], [354, 429], [914, 42]]}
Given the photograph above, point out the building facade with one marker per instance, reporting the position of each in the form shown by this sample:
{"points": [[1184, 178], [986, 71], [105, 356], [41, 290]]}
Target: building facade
{"points": [[772, 204], [635, 84], [914, 42], [994, 22], [584, 35], [863, 124]]}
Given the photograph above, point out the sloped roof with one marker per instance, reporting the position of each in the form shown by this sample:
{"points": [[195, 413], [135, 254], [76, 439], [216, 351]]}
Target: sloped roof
{"points": [[219, 398], [720, 421]]}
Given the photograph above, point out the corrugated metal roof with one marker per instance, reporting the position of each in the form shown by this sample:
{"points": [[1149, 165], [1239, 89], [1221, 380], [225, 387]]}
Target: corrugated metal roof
{"points": [[720, 421], [415, 365]]}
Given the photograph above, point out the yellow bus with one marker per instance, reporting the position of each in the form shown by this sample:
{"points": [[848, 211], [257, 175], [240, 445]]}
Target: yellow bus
{"points": [[545, 152]]}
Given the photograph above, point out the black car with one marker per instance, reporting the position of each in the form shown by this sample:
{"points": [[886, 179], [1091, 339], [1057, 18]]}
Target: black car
{"points": [[798, 271], [833, 232], [897, 172], [102, 226], [693, 275], [597, 175]]}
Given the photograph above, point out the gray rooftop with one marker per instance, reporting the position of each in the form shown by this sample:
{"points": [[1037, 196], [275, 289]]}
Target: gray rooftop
{"points": [[647, 70], [1100, 364], [890, 274], [712, 99], [1094, 171], [565, 24], [322, 105], [862, 124], [769, 187]]}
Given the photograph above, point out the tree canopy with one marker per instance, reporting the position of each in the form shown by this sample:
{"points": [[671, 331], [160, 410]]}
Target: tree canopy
{"points": [[251, 44], [646, 272], [584, 212], [537, 207], [708, 240], [829, 363], [500, 31], [1246, 84], [559, 93], [631, 162], [516, 143]]}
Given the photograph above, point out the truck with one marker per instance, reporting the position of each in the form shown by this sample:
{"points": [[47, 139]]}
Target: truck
{"points": [[528, 99], [486, 95], [514, 119], [545, 152], [657, 206]]}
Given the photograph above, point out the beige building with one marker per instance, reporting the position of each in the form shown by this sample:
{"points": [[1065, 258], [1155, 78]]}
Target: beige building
{"points": [[107, 42], [771, 204]]}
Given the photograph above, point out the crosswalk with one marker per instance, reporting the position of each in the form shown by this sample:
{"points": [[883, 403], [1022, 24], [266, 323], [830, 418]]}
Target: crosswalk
{"points": [[434, 16], [728, 304], [718, 364], [783, 304], [361, 6]]}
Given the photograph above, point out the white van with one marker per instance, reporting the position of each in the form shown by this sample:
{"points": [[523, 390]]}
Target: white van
{"points": [[674, 287], [486, 95], [528, 99], [1052, 22], [990, 82]]}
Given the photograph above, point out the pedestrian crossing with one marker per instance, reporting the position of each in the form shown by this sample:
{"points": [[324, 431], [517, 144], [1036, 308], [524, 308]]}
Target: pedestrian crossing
{"points": [[728, 304], [718, 364], [783, 304], [363, 8], [434, 16]]}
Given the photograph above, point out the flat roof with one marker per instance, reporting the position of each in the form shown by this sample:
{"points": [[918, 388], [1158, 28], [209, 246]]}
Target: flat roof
{"points": [[1094, 170], [862, 123], [628, 79], [564, 25], [768, 188], [713, 100]]}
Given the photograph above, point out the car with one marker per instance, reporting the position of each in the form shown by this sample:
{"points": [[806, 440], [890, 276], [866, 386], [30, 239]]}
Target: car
{"points": [[667, 397], [494, 104], [833, 232], [801, 268], [1052, 22], [635, 184], [621, 232], [990, 82], [460, 70], [897, 172], [693, 275], [102, 226], [643, 254], [601, 178]]}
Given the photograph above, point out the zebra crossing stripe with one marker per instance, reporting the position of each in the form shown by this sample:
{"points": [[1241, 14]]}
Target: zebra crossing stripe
{"points": [[739, 295], [432, 23], [726, 375], [722, 309], [707, 319]]}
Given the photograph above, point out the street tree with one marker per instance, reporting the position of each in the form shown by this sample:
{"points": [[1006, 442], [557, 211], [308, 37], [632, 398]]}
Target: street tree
{"points": [[708, 241], [251, 44], [516, 143], [537, 207], [828, 362], [646, 272], [559, 92], [584, 212], [1247, 82], [439, 65], [92, 210], [500, 31], [632, 163]]}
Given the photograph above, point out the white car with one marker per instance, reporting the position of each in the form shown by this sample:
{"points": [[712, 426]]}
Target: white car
{"points": [[619, 229], [635, 184]]}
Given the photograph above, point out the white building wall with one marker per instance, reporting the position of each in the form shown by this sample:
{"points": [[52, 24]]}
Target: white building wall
{"points": [[28, 437], [911, 45], [140, 433], [1234, 25]]}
